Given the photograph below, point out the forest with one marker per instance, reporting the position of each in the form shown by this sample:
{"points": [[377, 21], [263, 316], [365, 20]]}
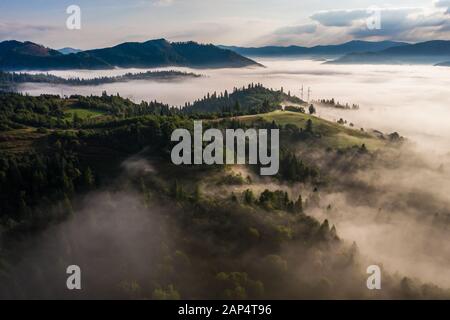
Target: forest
{"points": [[89, 179], [10, 80]]}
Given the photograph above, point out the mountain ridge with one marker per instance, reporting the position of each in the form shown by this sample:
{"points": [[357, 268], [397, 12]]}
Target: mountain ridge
{"points": [[428, 52], [16, 55], [343, 48]]}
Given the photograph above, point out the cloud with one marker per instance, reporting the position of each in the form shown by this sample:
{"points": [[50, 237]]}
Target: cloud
{"points": [[407, 24], [413, 24], [17, 30], [339, 18], [162, 3], [442, 3], [305, 28]]}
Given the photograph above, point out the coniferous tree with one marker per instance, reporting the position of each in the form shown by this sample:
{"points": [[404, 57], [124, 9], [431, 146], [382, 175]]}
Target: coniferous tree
{"points": [[298, 206]]}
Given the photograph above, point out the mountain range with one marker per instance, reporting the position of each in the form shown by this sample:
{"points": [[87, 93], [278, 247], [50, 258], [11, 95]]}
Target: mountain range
{"points": [[16, 55], [326, 50], [434, 52], [429, 52]]}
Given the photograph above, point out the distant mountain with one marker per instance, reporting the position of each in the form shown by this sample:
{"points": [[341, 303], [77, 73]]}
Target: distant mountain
{"points": [[443, 64], [163, 53], [68, 50], [327, 50], [15, 55], [13, 47], [430, 52]]}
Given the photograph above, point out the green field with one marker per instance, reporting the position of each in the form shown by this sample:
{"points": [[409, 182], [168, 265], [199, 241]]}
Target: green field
{"points": [[83, 113], [332, 134]]}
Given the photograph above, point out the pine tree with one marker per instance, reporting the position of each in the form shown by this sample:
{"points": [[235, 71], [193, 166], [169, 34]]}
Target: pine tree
{"points": [[88, 178], [298, 207]]}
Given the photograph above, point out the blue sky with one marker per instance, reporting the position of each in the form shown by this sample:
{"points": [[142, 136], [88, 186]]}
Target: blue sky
{"points": [[231, 22]]}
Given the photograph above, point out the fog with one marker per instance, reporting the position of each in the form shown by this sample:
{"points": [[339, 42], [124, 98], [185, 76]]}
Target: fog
{"points": [[396, 227], [113, 236], [411, 99]]}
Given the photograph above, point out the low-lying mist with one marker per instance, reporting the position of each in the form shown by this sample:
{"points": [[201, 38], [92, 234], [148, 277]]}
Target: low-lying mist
{"points": [[112, 235], [411, 99], [397, 209]]}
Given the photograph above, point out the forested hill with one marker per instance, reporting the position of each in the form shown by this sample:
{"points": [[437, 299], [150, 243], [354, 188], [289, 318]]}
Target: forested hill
{"points": [[15, 55], [254, 98], [10, 80], [101, 165]]}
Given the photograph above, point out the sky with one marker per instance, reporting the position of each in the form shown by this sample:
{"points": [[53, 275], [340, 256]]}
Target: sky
{"points": [[229, 22]]}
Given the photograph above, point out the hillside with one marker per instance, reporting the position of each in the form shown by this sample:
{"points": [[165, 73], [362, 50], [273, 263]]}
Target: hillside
{"points": [[15, 55], [327, 134]]}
